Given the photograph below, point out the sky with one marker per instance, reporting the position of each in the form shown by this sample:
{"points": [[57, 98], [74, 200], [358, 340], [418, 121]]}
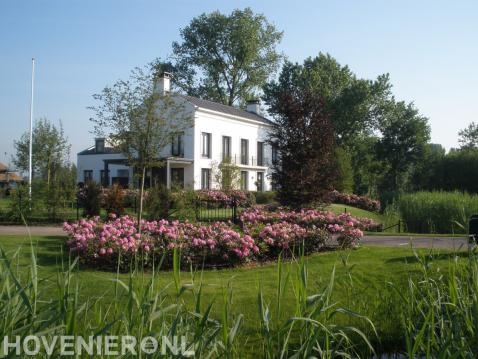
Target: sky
{"points": [[429, 48]]}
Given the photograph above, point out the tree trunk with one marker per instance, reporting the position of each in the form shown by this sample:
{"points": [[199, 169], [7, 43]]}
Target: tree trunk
{"points": [[141, 195]]}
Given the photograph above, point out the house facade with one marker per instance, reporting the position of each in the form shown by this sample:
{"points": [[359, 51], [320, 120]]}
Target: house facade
{"points": [[218, 132]]}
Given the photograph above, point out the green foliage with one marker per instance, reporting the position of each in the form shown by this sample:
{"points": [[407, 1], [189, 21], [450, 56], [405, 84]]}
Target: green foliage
{"points": [[158, 202], [226, 174], [50, 150], [262, 197], [89, 197], [139, 121], [354, 105], [184, 204], [114, 200], [345, 180], [404, 137], [226, 58], [469, 136], [436, 212]]}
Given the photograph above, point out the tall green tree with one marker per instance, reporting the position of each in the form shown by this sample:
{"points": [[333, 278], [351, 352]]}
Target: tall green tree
{"points": [[226, 58], [139, 121], [355, 106], [404, 135], [345, 173], [50, 150], [468, 137]]}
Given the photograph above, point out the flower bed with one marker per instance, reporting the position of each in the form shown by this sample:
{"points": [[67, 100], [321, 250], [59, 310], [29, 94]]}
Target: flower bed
{"points": [[347, 229], [354, 200], [264, 235]]}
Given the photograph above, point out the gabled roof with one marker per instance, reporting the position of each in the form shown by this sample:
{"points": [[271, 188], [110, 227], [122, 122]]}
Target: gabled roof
{"points": [[92, 151], [229, 110], [10, 177]]}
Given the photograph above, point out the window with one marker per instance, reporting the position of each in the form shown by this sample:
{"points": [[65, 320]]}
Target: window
{"points": [[260, 181], [206, 144], [226, 148], [244, 152], [177, 145], [177, 177], [205, 178], [244, 180], [260, 153], [87, 175]]}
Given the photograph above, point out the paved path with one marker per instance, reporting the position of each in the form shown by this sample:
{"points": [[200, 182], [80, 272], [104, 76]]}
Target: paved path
{"points": [[417, 242], [35, 230], [384, 241]]}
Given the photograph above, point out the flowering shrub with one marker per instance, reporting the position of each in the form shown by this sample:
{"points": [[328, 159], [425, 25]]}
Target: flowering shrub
{"points": [[354, 200], [308, 224], [265, 235], [104, 243]]}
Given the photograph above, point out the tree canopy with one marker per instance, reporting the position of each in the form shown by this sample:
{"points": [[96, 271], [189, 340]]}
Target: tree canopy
{"points": [[50, 150], [225, 58], [468, 137]]}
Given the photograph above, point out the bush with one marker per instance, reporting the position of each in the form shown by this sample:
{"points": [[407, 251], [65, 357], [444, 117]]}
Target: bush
{"points": [[436, 212], [158, 202], [89, 197], [264, 197], [113, 200]]}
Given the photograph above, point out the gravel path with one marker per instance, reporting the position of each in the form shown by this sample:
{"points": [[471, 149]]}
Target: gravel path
{"points": [[383, 241]]}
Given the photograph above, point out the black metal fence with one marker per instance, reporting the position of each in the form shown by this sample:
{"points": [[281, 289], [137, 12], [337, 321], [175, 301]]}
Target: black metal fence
{"points": [[214, 210]]}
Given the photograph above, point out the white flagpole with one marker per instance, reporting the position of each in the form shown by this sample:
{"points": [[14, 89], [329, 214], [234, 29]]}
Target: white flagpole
{"points": [[31, 137]]}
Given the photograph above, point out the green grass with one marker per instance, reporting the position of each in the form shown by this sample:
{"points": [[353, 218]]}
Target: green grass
{"points": [[362, 278], [357, 212]]}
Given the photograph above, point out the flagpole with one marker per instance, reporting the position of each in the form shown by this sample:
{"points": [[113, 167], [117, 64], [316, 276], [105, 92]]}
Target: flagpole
{"points": [[31, 137]]}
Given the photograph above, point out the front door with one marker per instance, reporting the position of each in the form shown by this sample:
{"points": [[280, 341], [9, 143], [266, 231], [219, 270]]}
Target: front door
{"points": [[177, 177]]}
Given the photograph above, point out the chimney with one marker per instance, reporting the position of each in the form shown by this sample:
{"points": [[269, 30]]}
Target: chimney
{"points": [[99, 145], [163, 82], [253, 106]]}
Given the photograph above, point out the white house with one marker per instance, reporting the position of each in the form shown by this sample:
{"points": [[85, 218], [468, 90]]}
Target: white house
{"points": [[217, 132]]}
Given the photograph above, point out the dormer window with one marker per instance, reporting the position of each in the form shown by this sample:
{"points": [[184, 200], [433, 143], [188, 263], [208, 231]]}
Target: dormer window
{"points": [[100, 145]]}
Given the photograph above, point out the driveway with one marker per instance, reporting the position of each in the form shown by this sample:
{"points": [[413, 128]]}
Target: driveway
{"points": [[34, 230], [417, 241], [383, 241]]}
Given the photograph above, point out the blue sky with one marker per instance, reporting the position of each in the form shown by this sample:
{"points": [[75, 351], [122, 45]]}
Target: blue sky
{"points": [[428, 47]]}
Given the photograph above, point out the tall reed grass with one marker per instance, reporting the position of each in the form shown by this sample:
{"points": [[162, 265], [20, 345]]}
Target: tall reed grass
{"points": [[436, 311], [436, 212]]}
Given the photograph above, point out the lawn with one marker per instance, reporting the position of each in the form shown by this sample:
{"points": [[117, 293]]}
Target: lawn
{"points": [[362, 283]]}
